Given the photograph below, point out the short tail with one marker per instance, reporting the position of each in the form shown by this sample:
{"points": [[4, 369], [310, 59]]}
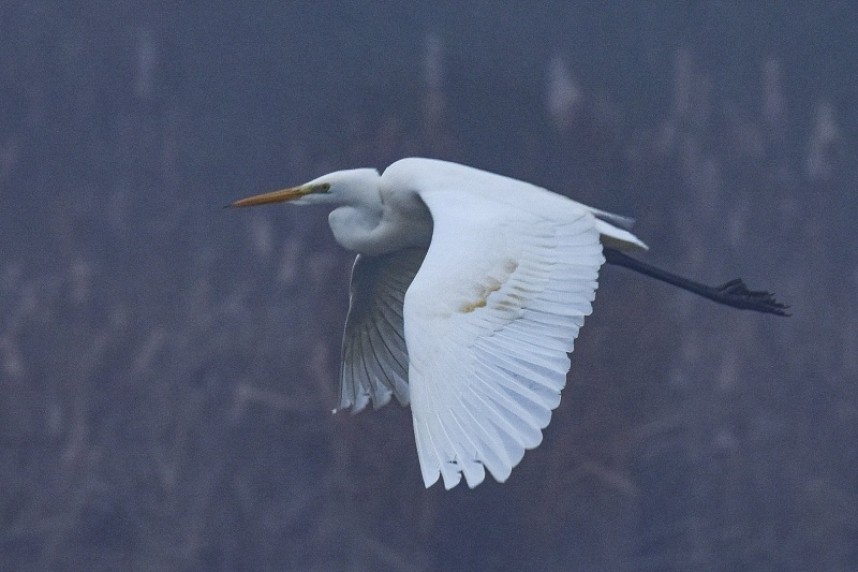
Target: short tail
{"points": [[613, 236]]}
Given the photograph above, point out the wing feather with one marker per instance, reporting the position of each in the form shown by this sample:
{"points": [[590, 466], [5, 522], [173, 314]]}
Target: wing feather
{"points": [[489, 319], [374, 354]]}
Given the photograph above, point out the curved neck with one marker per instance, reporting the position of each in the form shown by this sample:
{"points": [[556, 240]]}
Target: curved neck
{"points": [[353, 226]]}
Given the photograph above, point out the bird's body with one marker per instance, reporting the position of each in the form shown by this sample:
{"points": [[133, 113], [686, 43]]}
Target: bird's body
{"points": [[467, 295]]}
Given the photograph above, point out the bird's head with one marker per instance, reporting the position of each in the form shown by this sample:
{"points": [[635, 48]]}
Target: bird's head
{"points": [[353, 186]]}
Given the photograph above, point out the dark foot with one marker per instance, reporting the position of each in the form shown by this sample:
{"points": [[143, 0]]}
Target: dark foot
{"points": [[735, 293]]}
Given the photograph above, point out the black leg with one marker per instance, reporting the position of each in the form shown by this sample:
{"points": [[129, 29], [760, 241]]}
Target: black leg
{"points": [[733, 293]]}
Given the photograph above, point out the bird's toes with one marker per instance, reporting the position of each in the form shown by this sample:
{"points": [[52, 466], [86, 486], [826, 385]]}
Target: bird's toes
{"points": [[736, 293]]}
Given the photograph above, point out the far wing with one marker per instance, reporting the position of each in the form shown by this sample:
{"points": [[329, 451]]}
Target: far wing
{"points": [[489, 320], [375, 359]]}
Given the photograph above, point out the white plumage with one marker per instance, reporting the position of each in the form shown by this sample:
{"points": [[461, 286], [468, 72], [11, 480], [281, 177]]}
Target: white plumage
{"points": [[474, 332]]}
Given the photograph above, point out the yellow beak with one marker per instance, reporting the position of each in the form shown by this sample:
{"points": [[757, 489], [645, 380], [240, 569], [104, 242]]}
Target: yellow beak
{"points": [[273, 197]]}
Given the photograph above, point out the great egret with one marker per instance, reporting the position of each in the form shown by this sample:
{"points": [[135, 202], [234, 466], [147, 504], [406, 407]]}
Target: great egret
{"points": [[467, 293]]}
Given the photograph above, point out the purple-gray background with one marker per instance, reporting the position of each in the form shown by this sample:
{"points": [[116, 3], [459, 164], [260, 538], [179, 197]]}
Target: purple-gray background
{"points": [[167, 367]]}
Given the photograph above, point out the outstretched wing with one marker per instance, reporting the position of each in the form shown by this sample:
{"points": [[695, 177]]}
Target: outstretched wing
{"points": [[489, 320], [375, 359]]}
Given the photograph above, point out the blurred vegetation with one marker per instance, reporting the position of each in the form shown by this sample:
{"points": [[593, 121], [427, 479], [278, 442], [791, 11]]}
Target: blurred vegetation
{"points": [[167, 369]]}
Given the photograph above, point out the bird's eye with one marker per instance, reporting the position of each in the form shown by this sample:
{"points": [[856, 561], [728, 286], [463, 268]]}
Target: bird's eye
{"points": [[324, 188]]}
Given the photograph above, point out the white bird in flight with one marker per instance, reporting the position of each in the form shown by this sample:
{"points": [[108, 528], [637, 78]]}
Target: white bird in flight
{"points": [[467, 294]]}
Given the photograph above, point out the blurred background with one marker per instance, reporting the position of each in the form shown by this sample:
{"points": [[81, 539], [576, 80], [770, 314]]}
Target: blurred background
{"points": [[168, 368]]}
